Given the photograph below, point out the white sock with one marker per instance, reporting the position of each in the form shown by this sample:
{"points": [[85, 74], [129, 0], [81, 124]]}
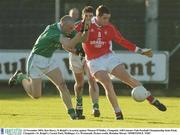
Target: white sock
{"points": [[117, 109]]}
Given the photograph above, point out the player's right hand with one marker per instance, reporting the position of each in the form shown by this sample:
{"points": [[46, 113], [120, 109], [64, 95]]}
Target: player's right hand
{"points": [[85, 25], [147, 52]]}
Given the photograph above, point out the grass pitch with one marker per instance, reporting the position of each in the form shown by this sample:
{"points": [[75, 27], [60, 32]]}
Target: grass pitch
{"points": [[18, 110]]}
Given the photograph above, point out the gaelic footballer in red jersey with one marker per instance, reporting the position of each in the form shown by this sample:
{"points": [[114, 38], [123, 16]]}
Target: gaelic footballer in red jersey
{"points": [[102, 61], [78, 66]]}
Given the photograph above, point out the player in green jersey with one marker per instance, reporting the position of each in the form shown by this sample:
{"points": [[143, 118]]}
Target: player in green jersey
{"points": [[41, 61], [78, 66]]}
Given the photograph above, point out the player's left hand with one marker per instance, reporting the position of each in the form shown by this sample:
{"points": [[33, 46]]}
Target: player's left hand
{"points": [[147, 52], [85, 25]]}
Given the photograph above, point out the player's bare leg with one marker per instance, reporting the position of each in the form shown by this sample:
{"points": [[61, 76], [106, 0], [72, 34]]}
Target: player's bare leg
{"points": [[55, 76], [32, 87], [93, 91], [78, 90], [120, 72], [104, 79]]}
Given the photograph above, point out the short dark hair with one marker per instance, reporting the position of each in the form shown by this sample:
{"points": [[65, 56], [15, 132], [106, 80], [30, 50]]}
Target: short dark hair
{"points": [[66, 19], [102, 10], [87, 9]]}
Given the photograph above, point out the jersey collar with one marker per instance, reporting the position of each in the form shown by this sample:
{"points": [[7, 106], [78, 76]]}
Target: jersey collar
{"points": [[94, 20], [59, 27]]}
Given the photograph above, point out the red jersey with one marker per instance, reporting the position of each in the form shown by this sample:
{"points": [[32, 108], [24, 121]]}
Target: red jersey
{"points": [[99, 40]]}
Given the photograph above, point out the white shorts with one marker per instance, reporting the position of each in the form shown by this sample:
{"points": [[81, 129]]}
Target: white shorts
{"points": [[76, 63], [106, 62], [38, 65]]}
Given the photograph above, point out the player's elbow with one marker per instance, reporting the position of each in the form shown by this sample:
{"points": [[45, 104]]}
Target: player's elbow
{"points": [[66, 47]]}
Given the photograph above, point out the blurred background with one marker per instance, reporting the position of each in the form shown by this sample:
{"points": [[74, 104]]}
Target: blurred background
{"points": [[148, 23]]}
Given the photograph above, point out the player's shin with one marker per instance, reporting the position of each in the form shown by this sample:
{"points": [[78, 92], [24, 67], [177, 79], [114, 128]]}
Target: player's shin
{"points": [[79, 100], [66, 98], [79, 107], [155, 102], [65, 94], [27, 85], [140, 93], [94, 93], [113, 100]]}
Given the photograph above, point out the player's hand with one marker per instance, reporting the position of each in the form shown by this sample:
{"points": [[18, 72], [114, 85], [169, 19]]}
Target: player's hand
{"points": [[145, 51], [85, 25]]}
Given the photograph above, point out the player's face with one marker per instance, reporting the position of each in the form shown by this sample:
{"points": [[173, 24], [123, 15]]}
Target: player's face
{"points": [[87, 15], [104, 19], [69, 27]]}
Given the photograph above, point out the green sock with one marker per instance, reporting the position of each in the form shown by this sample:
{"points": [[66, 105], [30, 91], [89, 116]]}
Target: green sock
{"points": [[71, 111], [20, 77], [79, 101], [95, 105]]}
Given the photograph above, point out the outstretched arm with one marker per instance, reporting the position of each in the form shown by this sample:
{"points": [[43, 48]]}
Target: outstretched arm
{"points": [[129, 45]]}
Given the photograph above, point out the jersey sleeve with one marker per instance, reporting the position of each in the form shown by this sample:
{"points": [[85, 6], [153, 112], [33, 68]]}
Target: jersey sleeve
{"points": [[118, 38], [78, 26], [53, 35]]}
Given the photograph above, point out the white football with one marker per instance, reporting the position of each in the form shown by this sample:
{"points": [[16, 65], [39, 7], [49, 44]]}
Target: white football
{"points": [[139, 94]]}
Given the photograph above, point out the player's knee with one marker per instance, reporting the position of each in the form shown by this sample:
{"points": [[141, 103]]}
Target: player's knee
{"points": [[91, 81], [36, 96], [135, 82], [107, 83], [93, 86], [79, 85]]}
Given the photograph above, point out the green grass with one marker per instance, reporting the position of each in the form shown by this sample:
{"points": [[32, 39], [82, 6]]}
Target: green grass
{"points": [[18, 110]]}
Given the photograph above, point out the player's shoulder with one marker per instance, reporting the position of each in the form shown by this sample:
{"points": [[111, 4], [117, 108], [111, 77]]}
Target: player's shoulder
{"points": [[110, 25], [78, 22], [51, 29], [53, 26], [78, 25]]}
